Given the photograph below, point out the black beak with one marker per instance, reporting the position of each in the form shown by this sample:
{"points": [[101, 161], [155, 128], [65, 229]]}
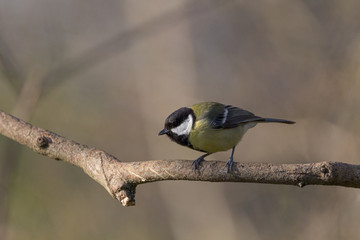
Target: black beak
{"points": [[164, 131]]}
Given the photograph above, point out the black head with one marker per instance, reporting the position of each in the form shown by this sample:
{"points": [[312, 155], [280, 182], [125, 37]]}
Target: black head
{"points": [[178, 125]]}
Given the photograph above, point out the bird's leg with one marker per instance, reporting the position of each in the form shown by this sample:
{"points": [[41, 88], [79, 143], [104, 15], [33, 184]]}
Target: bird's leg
{"points": [[231, 161], [197, 162]]}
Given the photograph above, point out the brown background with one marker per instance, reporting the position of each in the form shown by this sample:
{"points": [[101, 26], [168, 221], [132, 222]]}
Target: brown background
{"points": [[116, 69]]}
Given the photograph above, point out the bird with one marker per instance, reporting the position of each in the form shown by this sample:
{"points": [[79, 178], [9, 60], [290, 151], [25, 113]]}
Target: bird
{"points": [[211, 127]]}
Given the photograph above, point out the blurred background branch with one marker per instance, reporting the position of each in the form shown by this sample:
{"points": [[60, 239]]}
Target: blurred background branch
{"points": [[9, 66], [122, 41]]}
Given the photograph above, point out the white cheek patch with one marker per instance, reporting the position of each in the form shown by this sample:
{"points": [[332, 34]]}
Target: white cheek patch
{"points": [[185, 127]]}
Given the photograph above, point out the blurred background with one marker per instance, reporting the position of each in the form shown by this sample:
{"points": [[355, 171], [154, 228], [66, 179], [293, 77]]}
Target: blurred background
{"points": [[107, 73]]}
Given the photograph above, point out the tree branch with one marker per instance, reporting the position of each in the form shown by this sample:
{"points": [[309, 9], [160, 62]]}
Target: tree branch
{"points": [[121, 178]]}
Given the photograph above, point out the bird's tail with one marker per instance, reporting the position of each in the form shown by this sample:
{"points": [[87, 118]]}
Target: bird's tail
{"points": [[276, 120]]}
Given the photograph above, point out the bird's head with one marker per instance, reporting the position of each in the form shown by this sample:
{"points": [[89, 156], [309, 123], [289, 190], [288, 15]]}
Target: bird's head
{"points": [[179, 124]]}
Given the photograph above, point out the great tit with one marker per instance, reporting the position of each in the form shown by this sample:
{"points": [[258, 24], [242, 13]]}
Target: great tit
{"points": [[211, 127]]}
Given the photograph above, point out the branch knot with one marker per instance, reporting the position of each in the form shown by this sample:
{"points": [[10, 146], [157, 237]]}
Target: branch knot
{"points": [[43, 141], [325, 169]]}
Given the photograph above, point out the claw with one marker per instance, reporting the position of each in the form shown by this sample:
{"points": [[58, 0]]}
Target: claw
{"points": [[198, 161]]}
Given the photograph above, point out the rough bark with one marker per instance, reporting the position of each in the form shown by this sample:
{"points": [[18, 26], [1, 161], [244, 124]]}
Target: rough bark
{"points": [[121, 178]]}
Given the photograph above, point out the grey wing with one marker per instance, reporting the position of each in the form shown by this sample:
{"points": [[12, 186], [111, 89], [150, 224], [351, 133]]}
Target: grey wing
{"points": [[232, 117]]}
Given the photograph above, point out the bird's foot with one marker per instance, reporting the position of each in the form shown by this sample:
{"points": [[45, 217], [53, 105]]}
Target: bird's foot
{"points": [[197, 163], [229, 164]]}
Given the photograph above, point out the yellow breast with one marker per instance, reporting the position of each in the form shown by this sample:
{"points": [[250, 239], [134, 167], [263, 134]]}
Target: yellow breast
{"points": [[210, 140]]}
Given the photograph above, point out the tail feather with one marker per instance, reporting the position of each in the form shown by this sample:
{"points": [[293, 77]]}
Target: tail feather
{"points": [[276, 120]]}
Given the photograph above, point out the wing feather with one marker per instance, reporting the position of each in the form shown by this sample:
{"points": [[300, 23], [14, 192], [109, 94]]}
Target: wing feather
{"points": [[232, 117]]}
